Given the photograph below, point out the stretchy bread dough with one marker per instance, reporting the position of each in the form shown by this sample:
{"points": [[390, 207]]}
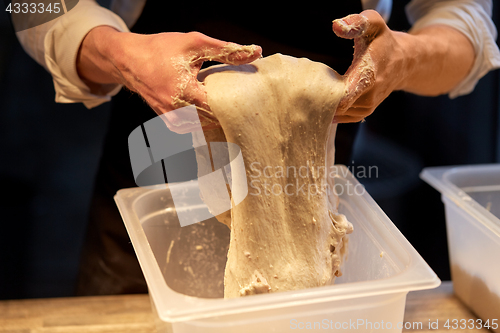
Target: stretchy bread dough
{"points": [[286, 234]]}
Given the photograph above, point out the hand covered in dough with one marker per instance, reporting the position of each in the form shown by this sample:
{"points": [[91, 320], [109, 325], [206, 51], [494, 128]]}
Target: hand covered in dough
{"points": [[377, 66], [429, 61], [162, 68]]}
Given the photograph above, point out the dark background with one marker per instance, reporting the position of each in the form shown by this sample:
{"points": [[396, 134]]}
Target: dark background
{"points": [[49, 154]]}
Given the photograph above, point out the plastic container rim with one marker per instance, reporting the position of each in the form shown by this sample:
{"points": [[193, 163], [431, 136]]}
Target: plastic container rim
{"points": [[438, 177]]}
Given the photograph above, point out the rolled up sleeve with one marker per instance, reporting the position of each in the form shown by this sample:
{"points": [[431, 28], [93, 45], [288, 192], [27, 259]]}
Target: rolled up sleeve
{"points": [[55, 46], [473, 19]]}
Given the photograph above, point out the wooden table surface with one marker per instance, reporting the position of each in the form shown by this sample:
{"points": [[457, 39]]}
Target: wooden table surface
{"points": [[132, 313], [437, 305]]}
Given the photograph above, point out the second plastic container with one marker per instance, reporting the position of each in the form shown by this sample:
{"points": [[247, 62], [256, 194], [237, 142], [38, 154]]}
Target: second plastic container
{"points": [[471, 195]]}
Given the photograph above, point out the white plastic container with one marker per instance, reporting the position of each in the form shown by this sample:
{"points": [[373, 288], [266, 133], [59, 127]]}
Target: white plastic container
{"points": [[471, 195], [184, 269]]}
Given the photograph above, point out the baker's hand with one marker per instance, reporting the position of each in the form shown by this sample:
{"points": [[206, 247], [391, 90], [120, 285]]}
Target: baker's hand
{"points": [[429, 61], [162, 68], [377, 68]]}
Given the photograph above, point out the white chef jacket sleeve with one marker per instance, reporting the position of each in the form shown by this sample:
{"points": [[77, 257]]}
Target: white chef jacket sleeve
{"points": [[383, 7], [55, 46], [473, 19]]}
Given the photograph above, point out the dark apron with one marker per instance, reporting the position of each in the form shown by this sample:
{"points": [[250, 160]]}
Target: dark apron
{"points": [[108, 264]]}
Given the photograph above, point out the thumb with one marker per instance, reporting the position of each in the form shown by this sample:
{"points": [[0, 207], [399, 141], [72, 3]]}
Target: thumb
{"points": [[363, 28], [360, 76], [368, 25], [227, 53], [349, 27]]}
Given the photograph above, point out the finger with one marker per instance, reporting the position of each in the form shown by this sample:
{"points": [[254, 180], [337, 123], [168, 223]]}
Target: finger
{"points": [[231, 53], [211, 49], [350, 118], [360, 78], [211, 126], [356, 112], [351, 26], [363, 28], [187, 119], [205, 48], [367, 24], [347, 119], [195, 93]]}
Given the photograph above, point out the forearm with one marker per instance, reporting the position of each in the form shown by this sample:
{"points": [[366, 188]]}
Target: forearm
{"points": [[95, 63], [470, 17], [438, 59]]}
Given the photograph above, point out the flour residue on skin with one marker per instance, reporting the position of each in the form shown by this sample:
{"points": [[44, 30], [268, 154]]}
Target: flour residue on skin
{"points": [[361, 74], [360, 77], [230, 53], [187, 68], [353, 29]]}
